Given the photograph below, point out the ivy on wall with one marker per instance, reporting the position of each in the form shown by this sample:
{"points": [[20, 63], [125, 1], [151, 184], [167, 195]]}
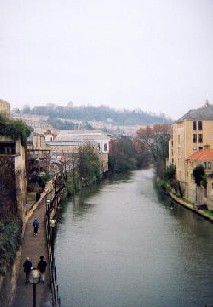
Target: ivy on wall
{"points": [[9, 241], [15, 129]]}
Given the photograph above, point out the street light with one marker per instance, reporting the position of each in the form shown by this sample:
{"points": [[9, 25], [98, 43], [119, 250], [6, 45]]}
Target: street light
{"points": [[52, 223], [34, 279], [47, 204], [52, 235]]}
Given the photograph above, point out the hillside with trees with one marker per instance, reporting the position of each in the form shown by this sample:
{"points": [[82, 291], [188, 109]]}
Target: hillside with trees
{"points": [[101, 113]]}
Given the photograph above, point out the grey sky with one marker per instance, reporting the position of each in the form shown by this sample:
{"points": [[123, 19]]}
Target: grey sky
{"points": [[155, 54]]}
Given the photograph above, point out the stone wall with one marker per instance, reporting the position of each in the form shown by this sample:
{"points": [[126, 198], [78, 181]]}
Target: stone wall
{"points": [[8, 203], [8, 282]]}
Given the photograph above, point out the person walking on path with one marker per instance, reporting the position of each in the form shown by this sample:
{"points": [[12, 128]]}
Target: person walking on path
{"points": [[34, 247], [42, 267], [27, 268], [35, 227]]}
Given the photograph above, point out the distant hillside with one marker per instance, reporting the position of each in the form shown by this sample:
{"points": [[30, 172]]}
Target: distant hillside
{"points": [[101, 113]]}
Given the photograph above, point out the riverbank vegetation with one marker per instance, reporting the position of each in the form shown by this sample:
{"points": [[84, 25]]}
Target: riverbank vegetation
{"points": [[83, 168], [149, 147]]}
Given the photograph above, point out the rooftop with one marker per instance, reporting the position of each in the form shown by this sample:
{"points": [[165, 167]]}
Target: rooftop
{"points": [[202, 155], [203, 113], [80, 135]]}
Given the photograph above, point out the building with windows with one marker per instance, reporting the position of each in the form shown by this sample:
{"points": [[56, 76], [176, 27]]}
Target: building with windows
{"points": [[67, 142], [38, 155], [191, 133]]}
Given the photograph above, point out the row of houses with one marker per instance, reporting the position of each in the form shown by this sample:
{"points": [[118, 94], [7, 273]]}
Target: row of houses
{"points": [[191, 145]]}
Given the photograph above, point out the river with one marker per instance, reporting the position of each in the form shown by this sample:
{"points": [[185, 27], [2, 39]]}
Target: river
{"points": [[118, 245]]}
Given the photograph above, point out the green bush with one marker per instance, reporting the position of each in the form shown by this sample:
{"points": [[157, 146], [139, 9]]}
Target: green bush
{"points": [[9, 241], [15, 129], [163, 185], [170, 172]]}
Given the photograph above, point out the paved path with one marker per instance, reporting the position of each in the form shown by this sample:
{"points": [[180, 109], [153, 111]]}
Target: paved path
{"points": [[34, 247]]}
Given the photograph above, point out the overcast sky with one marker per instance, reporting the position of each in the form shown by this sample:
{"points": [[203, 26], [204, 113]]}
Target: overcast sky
{"points": [[156, 55]]}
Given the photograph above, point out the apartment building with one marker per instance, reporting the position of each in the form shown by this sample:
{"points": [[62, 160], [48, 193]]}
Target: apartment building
{"points": [[191, 133]]}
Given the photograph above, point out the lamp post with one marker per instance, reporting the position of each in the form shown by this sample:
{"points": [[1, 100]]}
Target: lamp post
{"points": [[52, 227], [34, 279], [47, 205]]}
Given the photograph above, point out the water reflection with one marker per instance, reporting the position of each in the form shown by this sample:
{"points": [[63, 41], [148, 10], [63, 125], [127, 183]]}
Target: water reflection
{"points": [[118, 245]]}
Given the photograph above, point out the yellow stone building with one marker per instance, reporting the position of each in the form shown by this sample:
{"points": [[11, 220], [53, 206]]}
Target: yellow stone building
{"points": [[192, 132], [4, 108], [200, 195]]}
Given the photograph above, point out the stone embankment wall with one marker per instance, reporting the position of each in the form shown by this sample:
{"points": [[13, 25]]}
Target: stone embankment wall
{"points": [[191, 207]]}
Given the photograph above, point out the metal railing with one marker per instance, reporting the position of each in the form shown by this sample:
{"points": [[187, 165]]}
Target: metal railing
{"points": [[51, 210]]}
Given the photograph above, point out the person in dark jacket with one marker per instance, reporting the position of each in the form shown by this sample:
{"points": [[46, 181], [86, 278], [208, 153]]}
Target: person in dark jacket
{"points": [[35, 227], [27, 268], [42, 267]]}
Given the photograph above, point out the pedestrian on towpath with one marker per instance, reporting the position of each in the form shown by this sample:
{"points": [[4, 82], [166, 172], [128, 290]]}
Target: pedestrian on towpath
{"points": [[35, 227], [42, 267], [27, 268]]}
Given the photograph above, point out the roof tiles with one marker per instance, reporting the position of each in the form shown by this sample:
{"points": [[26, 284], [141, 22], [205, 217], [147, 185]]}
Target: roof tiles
{"points": [[202, 155]]}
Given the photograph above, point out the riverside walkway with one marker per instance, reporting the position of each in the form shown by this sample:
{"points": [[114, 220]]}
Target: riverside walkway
{"points": [[34, 247]]}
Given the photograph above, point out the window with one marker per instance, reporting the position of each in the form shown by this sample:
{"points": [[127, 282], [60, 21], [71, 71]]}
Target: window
{"points": [[194, 125], [7, 148], [200, 138], [209, 165], [205, 165], [178, 139], [105, 146], [200, 125], [194, 138]]}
